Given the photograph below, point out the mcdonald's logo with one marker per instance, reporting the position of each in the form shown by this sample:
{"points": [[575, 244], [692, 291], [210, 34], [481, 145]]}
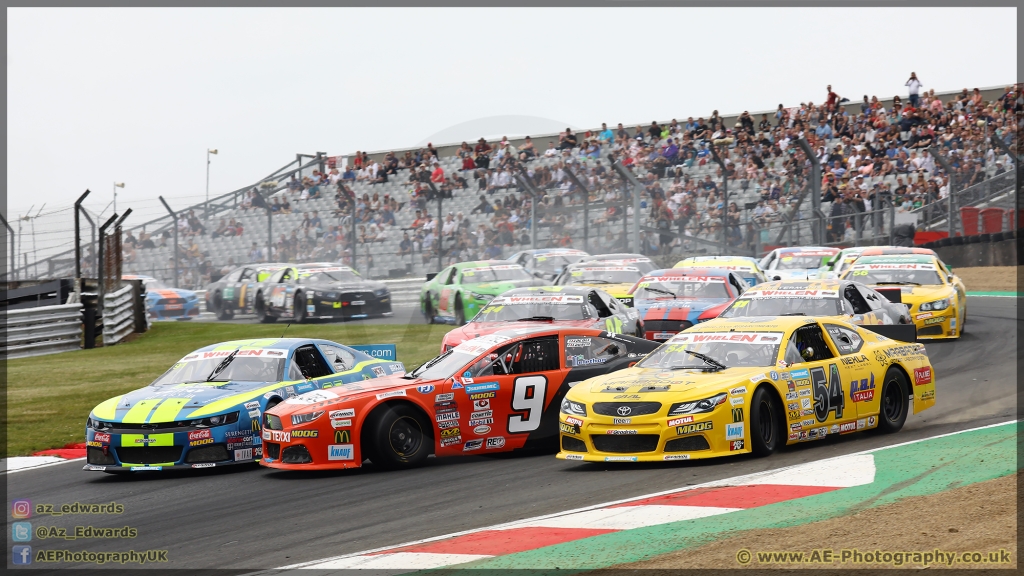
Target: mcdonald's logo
{"points": [[737, 414], [341, 437], [255, 425]]}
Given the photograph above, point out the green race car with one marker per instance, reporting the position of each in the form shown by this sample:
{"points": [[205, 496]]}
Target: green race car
{"points": [[459, 291]]}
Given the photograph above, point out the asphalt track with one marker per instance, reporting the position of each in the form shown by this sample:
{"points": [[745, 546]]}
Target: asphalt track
{"points": [[257, 518]]}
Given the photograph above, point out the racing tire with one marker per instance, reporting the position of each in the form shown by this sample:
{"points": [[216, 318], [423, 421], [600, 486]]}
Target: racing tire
{"points": [[460, 312], [640, 332], [300, 308], [892, 409], [219, 309], [261, 311], [767, 426], [428, 310], [963, 324], [397, 436]]}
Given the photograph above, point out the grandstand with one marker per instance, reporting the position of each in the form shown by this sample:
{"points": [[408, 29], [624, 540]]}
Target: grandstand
{"points": [[769, 179]]}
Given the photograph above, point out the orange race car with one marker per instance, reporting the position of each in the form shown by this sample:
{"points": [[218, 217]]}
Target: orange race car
{"points": [[495, 393]]}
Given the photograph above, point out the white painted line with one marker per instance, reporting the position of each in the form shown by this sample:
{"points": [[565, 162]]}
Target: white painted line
{"points": [[23, 463], [627, 517], [744, 479], [838, 472], [400, 561]]}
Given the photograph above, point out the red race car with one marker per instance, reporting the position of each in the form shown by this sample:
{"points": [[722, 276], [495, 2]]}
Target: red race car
{"points": [[574, 306], [672, 300], [497, 393]]}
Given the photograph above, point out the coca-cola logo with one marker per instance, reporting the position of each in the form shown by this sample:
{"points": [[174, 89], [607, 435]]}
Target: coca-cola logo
{"points": [[199, 435], [100, 437]]}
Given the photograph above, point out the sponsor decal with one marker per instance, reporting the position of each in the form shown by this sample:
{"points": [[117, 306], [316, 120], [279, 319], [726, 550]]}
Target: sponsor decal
{"points": [[443, 407], [791, 396], [481, 430], [807, 412], [621, 420], [485, 387], [620, 432], [341, 437], [450, 432], [670, 457], [446, 397], [872, 421], [736, 445], [341, 423], [204, 465], [773, 375], [577, 342], [807, 423], [242, 444], [862, 390], [922, 376], [145, 468], [483, 414], [734, 431], [738, 391], [834, 429], [392, 394], [495, 442], [758, 378], [243, 454], [861, 423], [346, 413], [456, 384], [736, 400], [574, 421], [847, 427], [277, 436], [801, 373], [737, 414], [447, 417], [449, 424], [482, 404], [566, 428], [236, 433], [931, 321], [923, 316], [378, 371], [813, 434], [312, 397], [451, 441], [482, 395], [340, 452], [619, 458], [804, 392], [101, 437], [794, 436], [805, 403], [928, 394], [94, 444], [305, 433], [472, 445], [793, 415], [481, 421], [793, 406], [252, 405], [201, 442], [574, 457], [696, 427], [678, 421], [145, 440], [425, 389], [254, 414]]}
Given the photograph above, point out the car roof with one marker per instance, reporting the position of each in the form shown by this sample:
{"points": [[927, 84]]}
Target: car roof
{"points": [[894, 250], [283, 344], [600, 264], [619, 256], [898, 259], [795, 285], [694, 271], [543, 251], [810, 250], [693, 261], [484, 264], [752, 324], [582, 290]]}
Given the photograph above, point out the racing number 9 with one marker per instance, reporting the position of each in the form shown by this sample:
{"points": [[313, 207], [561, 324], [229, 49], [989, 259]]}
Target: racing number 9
{"points": [[828, 395], [528, 393]]}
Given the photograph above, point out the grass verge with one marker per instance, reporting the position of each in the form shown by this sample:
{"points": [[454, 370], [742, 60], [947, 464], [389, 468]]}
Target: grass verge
{"points": [[49, 397]]}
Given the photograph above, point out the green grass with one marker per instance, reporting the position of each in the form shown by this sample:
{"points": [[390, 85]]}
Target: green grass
{"points": [[49, 397]]}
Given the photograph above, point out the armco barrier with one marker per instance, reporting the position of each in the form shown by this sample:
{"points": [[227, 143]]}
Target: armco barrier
{"points": [[118, 315], [42, 330]]}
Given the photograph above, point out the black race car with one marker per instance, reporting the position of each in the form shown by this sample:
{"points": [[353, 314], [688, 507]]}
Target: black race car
{"points": [[236, 290], [306, 291]]}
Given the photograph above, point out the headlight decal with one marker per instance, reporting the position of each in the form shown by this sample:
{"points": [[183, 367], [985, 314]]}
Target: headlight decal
{"points": [[573, 408], [698, 406]]}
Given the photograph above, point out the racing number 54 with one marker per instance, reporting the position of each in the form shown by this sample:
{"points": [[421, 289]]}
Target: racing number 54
{"points": [[828, 394], [528, 393]]}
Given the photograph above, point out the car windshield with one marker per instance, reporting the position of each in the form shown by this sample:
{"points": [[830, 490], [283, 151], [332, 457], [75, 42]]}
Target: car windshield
{"points": [[328, 276], [553, 263], [919, 274], [604, 275], [802, 261], [199, 366], [451, 362], [528, 306], [155, 285], [688, 287], [784, 307], [507, 273], [730, 349], [847, 262]]}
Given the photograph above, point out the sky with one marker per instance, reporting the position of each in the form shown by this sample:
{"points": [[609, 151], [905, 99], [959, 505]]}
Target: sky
{"points": [[138, 95]]}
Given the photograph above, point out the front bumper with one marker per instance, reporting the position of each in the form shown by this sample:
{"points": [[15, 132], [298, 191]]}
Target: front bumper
{"points": [[349, 306], [650, 438], [190, 309], [326, 449], [137, 450], [936, 325], [662, 330]]}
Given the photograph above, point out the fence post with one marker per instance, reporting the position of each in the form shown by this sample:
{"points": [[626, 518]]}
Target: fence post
{"points": [[818, 235], [78, 236], [637, 188], [586, 198], [524, 181], [102, 268], [950, 203], [892, 221], [174, 226]]}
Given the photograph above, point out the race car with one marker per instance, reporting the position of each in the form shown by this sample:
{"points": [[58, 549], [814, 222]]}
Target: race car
{"points": [[163, 302], [205, 411], [672, 300], [579, 307], [896, 250], [839, 263], [326, 292], [643, 263], [496, 393], [547, 263], [461, 290], [746, 267], [746, 385], [275, 294], [840, 300], [235, 291], [796, 262], [614, 277], [937, 299]]}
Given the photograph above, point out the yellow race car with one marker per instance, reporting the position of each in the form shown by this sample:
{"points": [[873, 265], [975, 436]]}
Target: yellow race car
{"points": [[614, 277], [746, 385], [746, 267], [936, 297]]}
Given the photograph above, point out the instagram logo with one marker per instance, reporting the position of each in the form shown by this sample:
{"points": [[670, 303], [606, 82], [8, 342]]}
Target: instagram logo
{"points": [[21, 509]]}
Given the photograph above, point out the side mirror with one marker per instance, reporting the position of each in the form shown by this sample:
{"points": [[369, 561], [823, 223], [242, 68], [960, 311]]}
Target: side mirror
{"points": [[777, 278], [949, 278], [431, 276]]}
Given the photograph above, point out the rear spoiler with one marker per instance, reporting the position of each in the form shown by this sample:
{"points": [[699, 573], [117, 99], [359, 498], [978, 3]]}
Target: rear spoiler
{"points": [[901, 332], [894, 294]]}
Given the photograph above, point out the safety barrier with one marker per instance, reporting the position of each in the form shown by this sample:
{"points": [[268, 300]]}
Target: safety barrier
{"points": [[42, 330], [118, 315]]}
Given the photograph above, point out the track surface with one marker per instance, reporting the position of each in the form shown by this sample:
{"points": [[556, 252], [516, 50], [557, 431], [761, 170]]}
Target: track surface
{"points": [[256, 518]]}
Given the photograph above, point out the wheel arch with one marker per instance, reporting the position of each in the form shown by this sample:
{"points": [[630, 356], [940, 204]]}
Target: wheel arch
{"points": [[425, 420]]}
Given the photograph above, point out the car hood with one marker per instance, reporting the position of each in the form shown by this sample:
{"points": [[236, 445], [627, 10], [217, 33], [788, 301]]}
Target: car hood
{"points": [[343, 393], [617, 290], [475, 329], [797, 274], [496, 288], [914, 295], [173, 402], [665, 305], [347, 286], [667, 386]]}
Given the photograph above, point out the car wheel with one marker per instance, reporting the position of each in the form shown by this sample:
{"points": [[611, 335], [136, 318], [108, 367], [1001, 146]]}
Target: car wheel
{"points": [[766, 424], [220, 309], [300, 308], [460, 313], [893, 406], [428, 310], [397, 436], [963, 323], [640, 332], [261, 311]]}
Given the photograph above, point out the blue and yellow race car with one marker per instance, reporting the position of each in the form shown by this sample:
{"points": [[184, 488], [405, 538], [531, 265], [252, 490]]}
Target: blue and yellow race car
{"points": [[206, 410]]}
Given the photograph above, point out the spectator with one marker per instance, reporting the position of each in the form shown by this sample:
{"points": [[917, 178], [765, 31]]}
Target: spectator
{"points": [[255, 254], [914, 87], [405, 246], [437, 176]]}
